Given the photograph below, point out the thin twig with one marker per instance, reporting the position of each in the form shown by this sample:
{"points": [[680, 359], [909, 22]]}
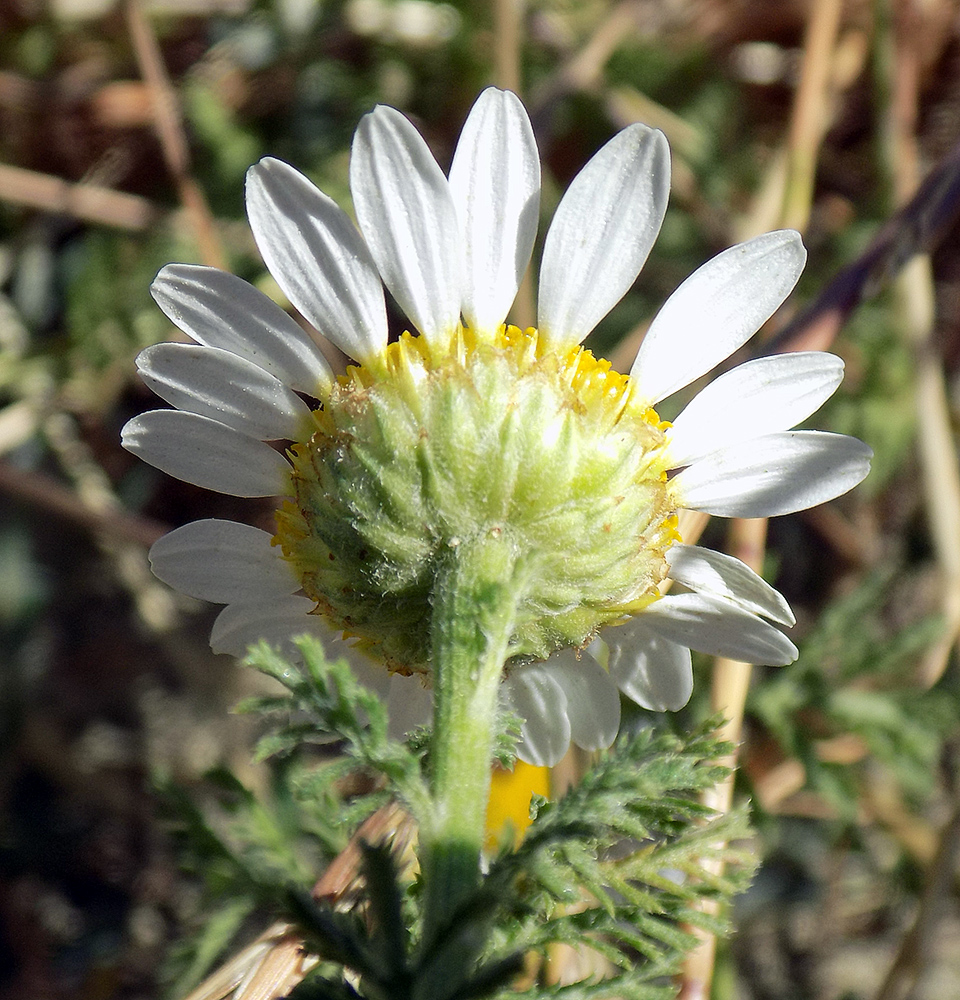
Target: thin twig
{"points": [[507, 25], [915, 311], [169, 126], [728, 696], [806, 126], [83, 201], [50, 495], [584, 69], [730, 680]]}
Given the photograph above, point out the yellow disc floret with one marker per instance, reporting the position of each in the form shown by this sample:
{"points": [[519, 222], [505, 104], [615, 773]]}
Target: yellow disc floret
{"points": [[427, 447]]}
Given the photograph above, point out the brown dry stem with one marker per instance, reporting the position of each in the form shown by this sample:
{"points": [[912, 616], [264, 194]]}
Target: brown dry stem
{"points": [[89, 202], [272, 965], [169, 126], [747, 538], [915, 311]]}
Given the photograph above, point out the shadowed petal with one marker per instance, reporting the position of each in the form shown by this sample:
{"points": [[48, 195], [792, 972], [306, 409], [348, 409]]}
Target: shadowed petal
{"points": [[409, 705], [538, 698], [222, 562], [593, 706], [218, 309], [206, 453], [652, 671], [276, 622]]}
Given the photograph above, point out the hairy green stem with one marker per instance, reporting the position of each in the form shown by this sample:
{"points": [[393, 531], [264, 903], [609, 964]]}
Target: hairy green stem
{"points": [[474, 605]]}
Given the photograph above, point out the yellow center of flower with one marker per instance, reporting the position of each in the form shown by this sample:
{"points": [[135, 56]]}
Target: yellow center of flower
{"points": [[426, 447]]}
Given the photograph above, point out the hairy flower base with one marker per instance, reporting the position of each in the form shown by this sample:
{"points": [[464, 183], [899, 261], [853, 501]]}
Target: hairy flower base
{"points": [[427, 447], [484, 495]]}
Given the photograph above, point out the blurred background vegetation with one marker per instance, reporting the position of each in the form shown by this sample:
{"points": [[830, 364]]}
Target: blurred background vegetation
{"points": [[125, 132]]}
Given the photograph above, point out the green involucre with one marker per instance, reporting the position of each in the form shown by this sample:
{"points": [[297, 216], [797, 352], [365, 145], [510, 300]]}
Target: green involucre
{"points": [[409, 462]]}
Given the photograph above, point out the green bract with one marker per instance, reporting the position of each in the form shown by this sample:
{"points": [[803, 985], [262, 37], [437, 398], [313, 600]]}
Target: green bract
{"points": [[499, 435]]}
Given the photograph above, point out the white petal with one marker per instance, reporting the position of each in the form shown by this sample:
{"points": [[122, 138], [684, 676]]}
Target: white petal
{"points": [[206, 453], [223, 562], [716, 311], [277, 622], [652, 671], [533, 693], [602, 233], [593, 705], [775, 474], [755, 398], [495, 186], [317, 257], [719, 575], [407, 217], [718, 628], [221, 310], [409, 705], [225, 387]]}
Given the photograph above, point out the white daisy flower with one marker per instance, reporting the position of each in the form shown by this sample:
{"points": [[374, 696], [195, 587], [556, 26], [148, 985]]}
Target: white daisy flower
{"points": [[468, 426]]}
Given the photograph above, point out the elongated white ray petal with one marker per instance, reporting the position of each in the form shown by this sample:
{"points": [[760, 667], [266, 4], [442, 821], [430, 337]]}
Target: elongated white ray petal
{"points": [[602, 233], [775, 474], [317, 257], [719, 575], [652, 671], [495, 186], [718, 628], [715, 312], [755, 398], [222, 562], [206, 453], [225, 387], [276, 622], [221, 310], [407, 217], [593, 705], [534, 694]]}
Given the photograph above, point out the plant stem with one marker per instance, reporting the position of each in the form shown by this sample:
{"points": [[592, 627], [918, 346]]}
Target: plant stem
{"points": [[475, 600]]}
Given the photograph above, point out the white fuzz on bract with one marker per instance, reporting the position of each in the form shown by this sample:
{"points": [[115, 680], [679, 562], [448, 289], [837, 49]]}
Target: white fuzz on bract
{"points": [[460, 247]]}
